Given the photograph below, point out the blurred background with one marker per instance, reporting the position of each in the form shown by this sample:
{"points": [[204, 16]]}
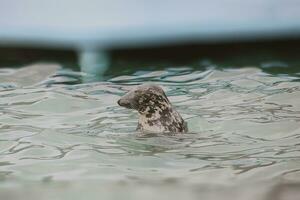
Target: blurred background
{"points": [[104, 37]]}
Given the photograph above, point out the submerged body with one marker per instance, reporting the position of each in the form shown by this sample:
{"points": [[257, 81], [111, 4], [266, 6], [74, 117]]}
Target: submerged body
{"points": [[156, 114]]}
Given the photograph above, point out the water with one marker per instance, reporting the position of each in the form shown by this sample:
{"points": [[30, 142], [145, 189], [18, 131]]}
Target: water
{"points": [[62, 139]]}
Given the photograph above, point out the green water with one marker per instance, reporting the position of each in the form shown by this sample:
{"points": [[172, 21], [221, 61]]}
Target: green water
{"points": [[64, 139]]}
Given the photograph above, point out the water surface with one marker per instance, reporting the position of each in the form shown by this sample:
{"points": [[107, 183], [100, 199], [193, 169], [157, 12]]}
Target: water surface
{"points": [[60, 138]]}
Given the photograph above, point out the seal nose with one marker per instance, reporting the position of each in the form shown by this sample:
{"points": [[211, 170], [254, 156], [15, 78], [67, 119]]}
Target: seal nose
{"points": [[119, 102], [124, 103]]}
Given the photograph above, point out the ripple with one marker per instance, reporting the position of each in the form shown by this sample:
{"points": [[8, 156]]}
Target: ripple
{"points": [[244, 126]]}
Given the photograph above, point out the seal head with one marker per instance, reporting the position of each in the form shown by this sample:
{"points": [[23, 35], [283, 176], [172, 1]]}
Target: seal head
{"points": [[156, 113]]}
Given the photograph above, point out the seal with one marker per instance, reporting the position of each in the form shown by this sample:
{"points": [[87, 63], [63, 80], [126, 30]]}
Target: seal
{"points": [[156, 114]]}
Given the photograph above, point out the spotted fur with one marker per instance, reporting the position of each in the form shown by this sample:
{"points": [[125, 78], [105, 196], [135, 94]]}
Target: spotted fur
{"points": [[156, 113]]}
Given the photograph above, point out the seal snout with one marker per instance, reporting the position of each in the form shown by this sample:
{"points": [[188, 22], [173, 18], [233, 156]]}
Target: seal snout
{"points": [[119, 102], [128, 100], [124, 103]]}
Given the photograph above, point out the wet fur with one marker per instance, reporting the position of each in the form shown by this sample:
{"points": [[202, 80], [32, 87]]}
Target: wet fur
{"points": [[156, 113]]}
